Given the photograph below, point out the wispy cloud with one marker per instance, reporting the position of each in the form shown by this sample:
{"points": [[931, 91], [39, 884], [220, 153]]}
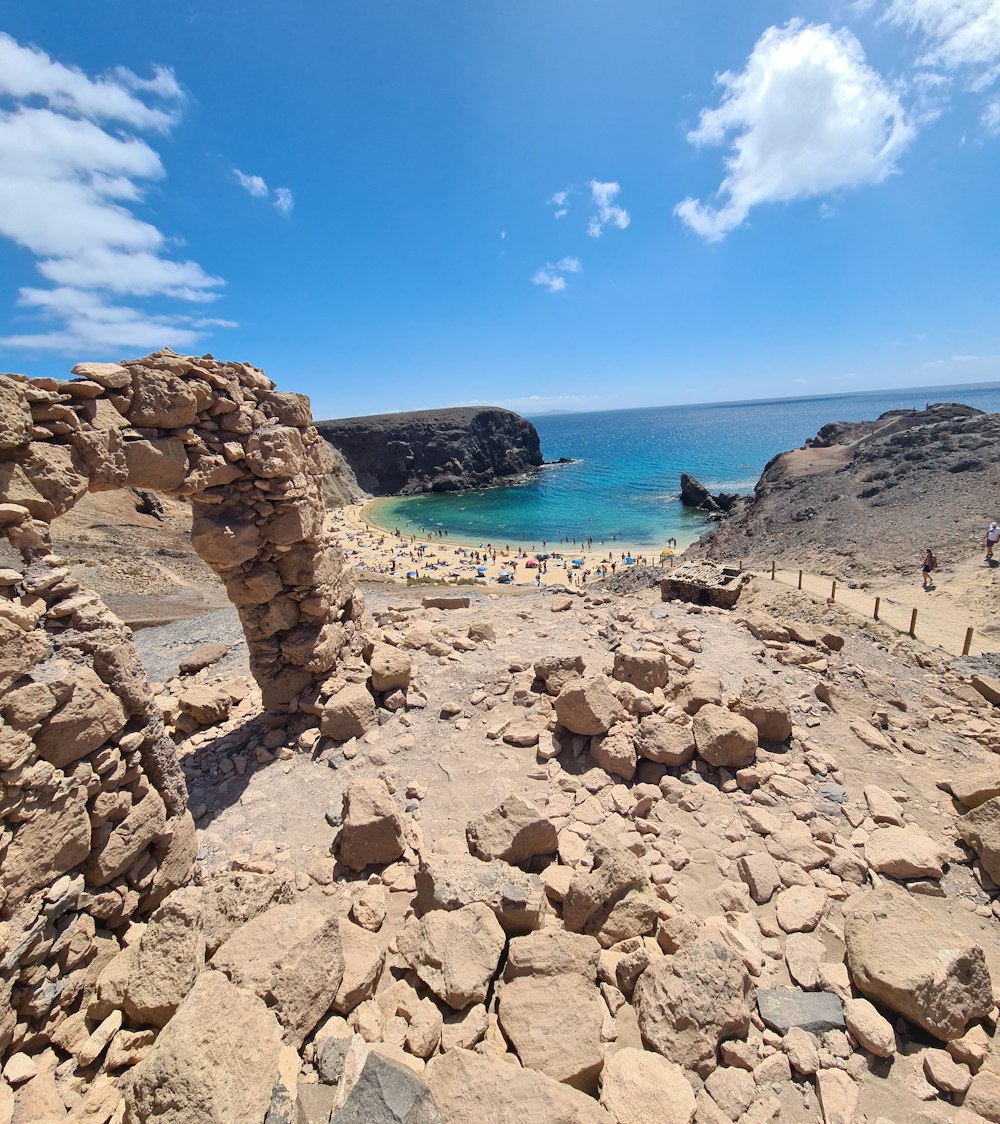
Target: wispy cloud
{"points": [[608, 213], [552, 275], [254, 185], [281, 197], [72, 172], [960, 36], [806, 117]]}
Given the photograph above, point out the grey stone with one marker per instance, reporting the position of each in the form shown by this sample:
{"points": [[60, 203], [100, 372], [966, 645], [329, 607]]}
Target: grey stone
{"points": [[330, 1062], [388, 1093], [814, 1011]]}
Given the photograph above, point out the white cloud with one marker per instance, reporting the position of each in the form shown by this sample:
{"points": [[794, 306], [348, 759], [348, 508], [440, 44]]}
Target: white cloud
{"points": [[27, 72], [957, 35], [806, 117], [608, 213], [71, 173], [558, 198], [991, 115], [254, 185], [550, 279], [551, 275]]}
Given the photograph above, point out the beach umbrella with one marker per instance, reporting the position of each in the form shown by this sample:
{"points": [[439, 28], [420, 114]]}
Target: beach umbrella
{"points": [[666, 553], [411, 573], [577, 561], [481, 569]]}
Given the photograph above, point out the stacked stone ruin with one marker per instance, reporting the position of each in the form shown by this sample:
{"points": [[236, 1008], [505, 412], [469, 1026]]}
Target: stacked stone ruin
{"points": [[94, 827]]}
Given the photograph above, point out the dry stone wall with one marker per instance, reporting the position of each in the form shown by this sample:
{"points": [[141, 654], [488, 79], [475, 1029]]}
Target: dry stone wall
{"points": [[94, 826]]}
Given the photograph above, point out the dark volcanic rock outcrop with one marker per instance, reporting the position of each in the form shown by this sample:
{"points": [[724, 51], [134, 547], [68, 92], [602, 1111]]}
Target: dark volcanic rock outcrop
{"points": [[435, 450], [695, 494], [866, 498]]}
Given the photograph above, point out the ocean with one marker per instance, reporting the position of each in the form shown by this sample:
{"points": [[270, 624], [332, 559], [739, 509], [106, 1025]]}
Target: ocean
{"points": [[624, 482]]}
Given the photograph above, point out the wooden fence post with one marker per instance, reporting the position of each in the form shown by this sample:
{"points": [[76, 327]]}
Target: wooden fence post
{"points": [[800, 579], [913, 624], [833, 592], [967, 646], [878, 601], [773, 567], [741, 565]]}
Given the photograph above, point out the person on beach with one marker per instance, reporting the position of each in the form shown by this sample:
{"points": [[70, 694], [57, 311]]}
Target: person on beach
{"points": [[992, 537], [930, 563]]}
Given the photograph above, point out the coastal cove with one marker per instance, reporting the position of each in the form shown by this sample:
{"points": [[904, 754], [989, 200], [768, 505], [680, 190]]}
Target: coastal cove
{"points": [[623, 484]]}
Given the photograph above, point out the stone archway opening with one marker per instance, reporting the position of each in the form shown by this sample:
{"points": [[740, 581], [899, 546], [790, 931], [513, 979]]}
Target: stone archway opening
{"points": [[245, 455]]}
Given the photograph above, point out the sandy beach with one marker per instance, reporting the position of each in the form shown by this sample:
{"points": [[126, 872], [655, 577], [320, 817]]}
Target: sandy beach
{"points": [[377, 551]]}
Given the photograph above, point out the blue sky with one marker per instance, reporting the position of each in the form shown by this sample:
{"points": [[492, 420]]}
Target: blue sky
{"points": [[364, 197]]}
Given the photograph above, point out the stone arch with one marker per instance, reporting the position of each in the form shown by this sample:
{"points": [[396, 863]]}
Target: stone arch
{"points": [[247, 457]]}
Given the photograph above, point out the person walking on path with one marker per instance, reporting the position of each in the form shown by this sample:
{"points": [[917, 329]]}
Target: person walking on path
{"points": [[992, 537], [930, 563]]}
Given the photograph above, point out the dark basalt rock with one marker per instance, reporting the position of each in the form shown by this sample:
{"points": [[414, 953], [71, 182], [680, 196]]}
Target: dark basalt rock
{"points": [[435, 450], [695, 494]]}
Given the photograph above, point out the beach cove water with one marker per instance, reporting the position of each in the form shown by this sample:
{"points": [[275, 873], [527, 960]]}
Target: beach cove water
{"points": [[624, 482]]}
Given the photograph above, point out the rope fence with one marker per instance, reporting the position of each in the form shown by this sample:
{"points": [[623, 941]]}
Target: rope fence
{"points": [[957, 637]]}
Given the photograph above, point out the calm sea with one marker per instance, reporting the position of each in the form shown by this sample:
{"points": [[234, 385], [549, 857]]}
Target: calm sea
{"points": [[625, 479]]}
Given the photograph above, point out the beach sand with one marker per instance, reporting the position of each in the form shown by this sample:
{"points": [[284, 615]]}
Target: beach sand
{"points": [[371, 550]]}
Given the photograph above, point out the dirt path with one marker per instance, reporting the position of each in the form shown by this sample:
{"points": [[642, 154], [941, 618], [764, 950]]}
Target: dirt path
{"points": [[941, 621]]}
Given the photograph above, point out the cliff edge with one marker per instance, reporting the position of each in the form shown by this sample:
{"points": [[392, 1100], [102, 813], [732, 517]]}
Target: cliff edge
{"points": [[865, 499], [435, 450]]}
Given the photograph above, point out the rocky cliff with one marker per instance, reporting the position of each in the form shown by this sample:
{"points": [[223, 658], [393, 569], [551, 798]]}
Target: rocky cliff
{"points": [[435, 450], [868, 497]]}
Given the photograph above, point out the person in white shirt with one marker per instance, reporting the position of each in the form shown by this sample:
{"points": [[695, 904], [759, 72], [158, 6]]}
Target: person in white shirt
{"points": [[992, 537]]}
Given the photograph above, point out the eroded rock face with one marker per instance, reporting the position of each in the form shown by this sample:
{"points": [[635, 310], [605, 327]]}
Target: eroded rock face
{"points": [[911, 961], [981, 830], [215, 1061], [588, 706], [690, 1002], [468, 1086], [372, 829], [435, 450], [455, 953], [514, 832]]}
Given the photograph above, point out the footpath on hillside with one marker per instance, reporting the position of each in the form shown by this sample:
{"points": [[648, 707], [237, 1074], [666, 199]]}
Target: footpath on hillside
{"points": [[940, 622]]}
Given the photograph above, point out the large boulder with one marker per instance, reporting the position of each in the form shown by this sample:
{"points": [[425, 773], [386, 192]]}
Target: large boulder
{"points": [[666, 743], [765, 706], [981, 830], [613, 900], [913, 962], [518, 900], [724, 738], [904, 852], [214, 1063], [350, 713], [514, 832], [550, 1009], [645, 670], [455, 953], [556, 671], [638, 1087], [372, 826], [973, 785], [588, 706], [387, 1092], [168, 959], [291, 955], [471, 1087], [690, 1002], [391, 668], [614, 752]]}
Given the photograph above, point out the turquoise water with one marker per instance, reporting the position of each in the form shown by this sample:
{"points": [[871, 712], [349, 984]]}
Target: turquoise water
{"points": [[625, 481]]}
